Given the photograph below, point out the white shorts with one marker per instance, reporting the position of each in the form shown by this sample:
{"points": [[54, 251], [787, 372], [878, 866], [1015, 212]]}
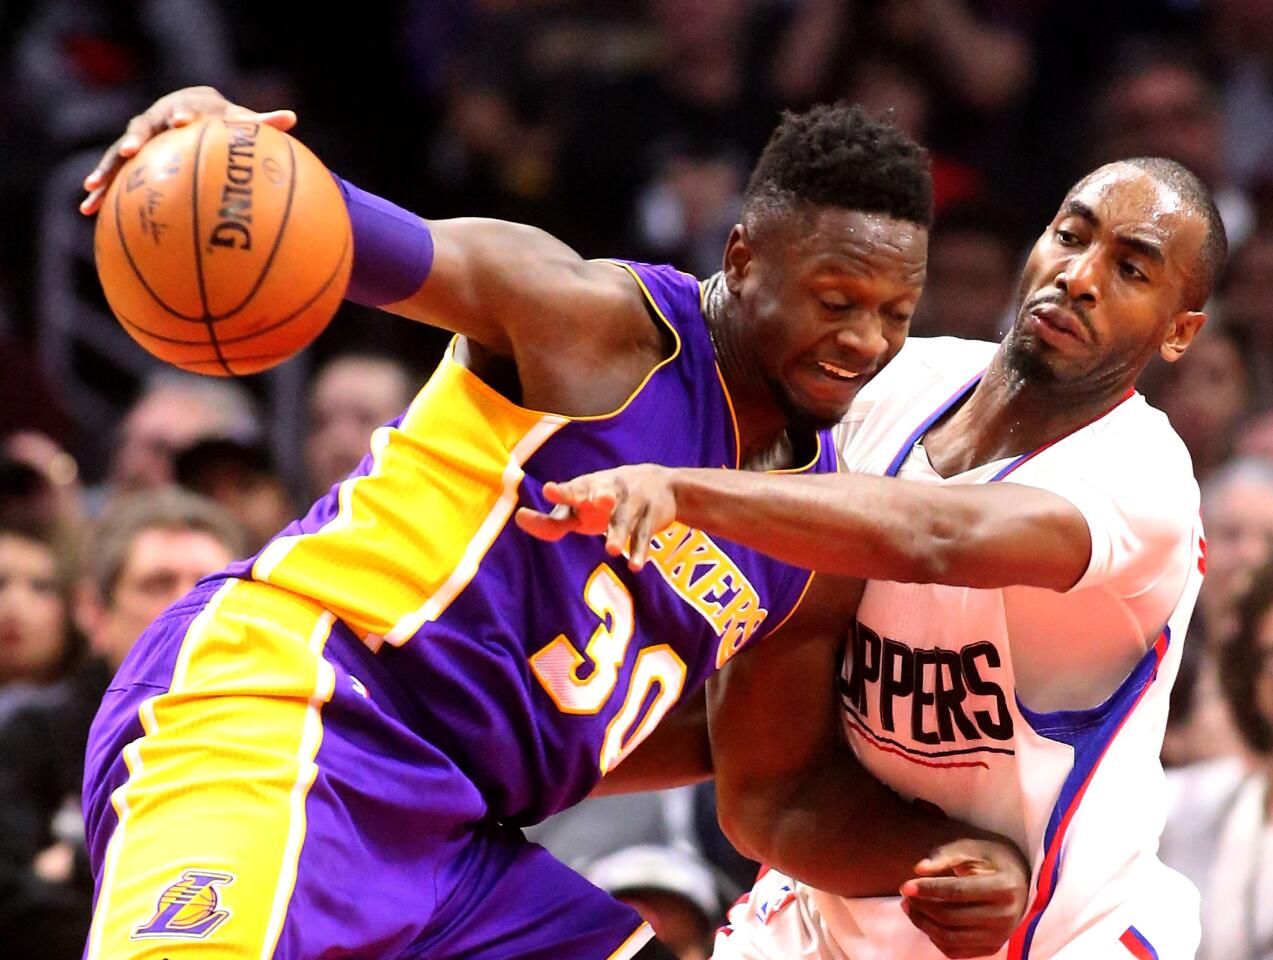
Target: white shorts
{"points": [[781, 919]]}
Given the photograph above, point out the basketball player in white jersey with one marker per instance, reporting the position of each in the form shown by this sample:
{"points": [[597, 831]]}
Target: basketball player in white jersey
{"points": [[1031, 543]]}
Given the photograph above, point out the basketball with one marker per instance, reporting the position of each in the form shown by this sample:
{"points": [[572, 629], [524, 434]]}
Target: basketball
{"points": [[223, 247]]}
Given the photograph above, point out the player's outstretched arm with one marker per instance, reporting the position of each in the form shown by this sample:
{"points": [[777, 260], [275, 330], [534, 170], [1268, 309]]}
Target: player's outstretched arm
{"points": [[514, 289], [791, 793], [873, 528]]}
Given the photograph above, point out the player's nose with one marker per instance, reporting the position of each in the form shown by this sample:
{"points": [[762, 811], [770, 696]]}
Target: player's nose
{"points": [[863, 337]]}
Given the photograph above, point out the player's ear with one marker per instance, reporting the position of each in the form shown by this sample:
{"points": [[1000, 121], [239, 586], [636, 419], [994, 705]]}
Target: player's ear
{"points": [[738, 254], [1184, 327]]}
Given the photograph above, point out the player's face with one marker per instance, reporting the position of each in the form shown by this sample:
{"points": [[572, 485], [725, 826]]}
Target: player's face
{"points": [[1103, 289], [825, 301]]}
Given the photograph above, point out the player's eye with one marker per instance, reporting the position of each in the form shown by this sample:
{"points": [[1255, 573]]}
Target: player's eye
{"points": [[1132, 272], [1066, 238]]}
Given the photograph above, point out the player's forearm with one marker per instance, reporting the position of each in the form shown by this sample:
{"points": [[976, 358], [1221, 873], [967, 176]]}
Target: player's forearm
{"points": [[879, 528], [864, 527], [676, 754], [839, 829]]}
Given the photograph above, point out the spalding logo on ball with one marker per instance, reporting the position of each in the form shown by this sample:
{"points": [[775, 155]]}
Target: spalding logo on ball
{"points": [[224, 247]]}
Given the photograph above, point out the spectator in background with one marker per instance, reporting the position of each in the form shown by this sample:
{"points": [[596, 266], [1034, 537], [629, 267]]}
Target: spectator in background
{"points": [[673, 890], [242, 478], [37, 643], [173, 412], [1206, 396], [147, 552], [1246, 310], [1219, 830], [1237, 514], [350, 396], [972, 274], [1159, 103], [1242, 35], [39, 487], [685, 214]]}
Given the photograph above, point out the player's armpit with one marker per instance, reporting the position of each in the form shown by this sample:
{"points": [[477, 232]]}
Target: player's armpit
{"points": [[675, 754]]}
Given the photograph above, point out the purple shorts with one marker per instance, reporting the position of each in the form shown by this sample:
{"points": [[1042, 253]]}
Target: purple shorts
{"points": [[246, 796]]}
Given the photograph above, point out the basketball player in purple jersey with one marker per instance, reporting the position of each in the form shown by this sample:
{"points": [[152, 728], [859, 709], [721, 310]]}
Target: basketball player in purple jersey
{"points": [[326, 749]]}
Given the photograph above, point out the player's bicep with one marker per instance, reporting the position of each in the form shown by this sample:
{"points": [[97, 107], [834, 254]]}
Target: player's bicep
{"points": [[1008, 534], [503, 283], [772, 710]]}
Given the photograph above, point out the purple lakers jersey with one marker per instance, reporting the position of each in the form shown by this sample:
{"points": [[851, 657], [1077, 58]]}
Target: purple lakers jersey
{"points": [[535, 666]]}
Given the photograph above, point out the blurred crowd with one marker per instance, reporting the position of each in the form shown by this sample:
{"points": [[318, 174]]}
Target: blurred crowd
{"points": [[627, 128]]}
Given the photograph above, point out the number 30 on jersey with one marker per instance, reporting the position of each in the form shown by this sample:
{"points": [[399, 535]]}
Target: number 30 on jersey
{"points": [[561, 670]]}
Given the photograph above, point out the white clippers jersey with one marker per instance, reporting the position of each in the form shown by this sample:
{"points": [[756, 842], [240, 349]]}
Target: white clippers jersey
{"points": [[1045, 754]]}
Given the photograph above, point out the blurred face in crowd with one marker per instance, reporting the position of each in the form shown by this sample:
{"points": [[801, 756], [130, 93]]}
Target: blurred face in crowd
{"points": [[350, 398], [162, 566], [1238, 519], [155, 430], [32, 611], [1206, 396], [1165, 111], [689, 25], [970, 281], [1264, 685], [1247, 299]]}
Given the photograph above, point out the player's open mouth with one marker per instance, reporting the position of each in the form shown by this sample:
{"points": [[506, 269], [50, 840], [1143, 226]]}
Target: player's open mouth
{"points": [[840, 373]]}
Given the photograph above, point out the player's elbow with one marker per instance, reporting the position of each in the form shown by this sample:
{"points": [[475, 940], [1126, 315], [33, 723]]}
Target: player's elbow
{"points": [[747, 816]]}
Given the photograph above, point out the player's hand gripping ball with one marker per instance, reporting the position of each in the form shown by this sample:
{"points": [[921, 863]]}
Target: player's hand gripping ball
{"points": [[224, 246]]}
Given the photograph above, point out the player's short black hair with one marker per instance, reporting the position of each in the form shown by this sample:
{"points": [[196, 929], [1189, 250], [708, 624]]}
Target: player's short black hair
{"points": [[840, 156], [1242, 661], [1209, 263]]}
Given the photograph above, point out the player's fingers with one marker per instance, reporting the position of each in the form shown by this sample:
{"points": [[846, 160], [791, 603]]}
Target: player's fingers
{"points": [[99, 179], [953, 862], [140, 129], [93, 202], [278, 119], [985, 888], [964, 915], [959, 943], [571, 492], [641, 536], [547, 526], [620, 522]]}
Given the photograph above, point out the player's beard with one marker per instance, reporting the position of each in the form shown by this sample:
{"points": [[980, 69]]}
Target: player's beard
{"points": [[1025, 360]]}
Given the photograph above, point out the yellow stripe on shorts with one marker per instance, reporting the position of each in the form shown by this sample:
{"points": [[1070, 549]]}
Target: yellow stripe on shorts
{"points": [[203, 860]]}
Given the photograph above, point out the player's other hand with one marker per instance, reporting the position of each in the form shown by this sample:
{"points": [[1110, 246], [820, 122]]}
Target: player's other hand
{"points": [[629, 505], [968, 896], [174, 110]]}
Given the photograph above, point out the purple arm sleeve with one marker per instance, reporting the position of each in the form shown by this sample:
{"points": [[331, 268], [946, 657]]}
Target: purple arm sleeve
{"points": [[393, 248]]}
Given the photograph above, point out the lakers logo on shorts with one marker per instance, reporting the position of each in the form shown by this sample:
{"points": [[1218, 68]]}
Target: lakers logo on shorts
{"points": [[187, 908]]}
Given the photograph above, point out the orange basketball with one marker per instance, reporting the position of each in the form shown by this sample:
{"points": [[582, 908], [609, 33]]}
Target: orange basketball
{"points": [[224, 247]]}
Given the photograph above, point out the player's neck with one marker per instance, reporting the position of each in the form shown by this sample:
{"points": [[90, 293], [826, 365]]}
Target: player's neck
{"points": [[1008, 415], [763, 442]]}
